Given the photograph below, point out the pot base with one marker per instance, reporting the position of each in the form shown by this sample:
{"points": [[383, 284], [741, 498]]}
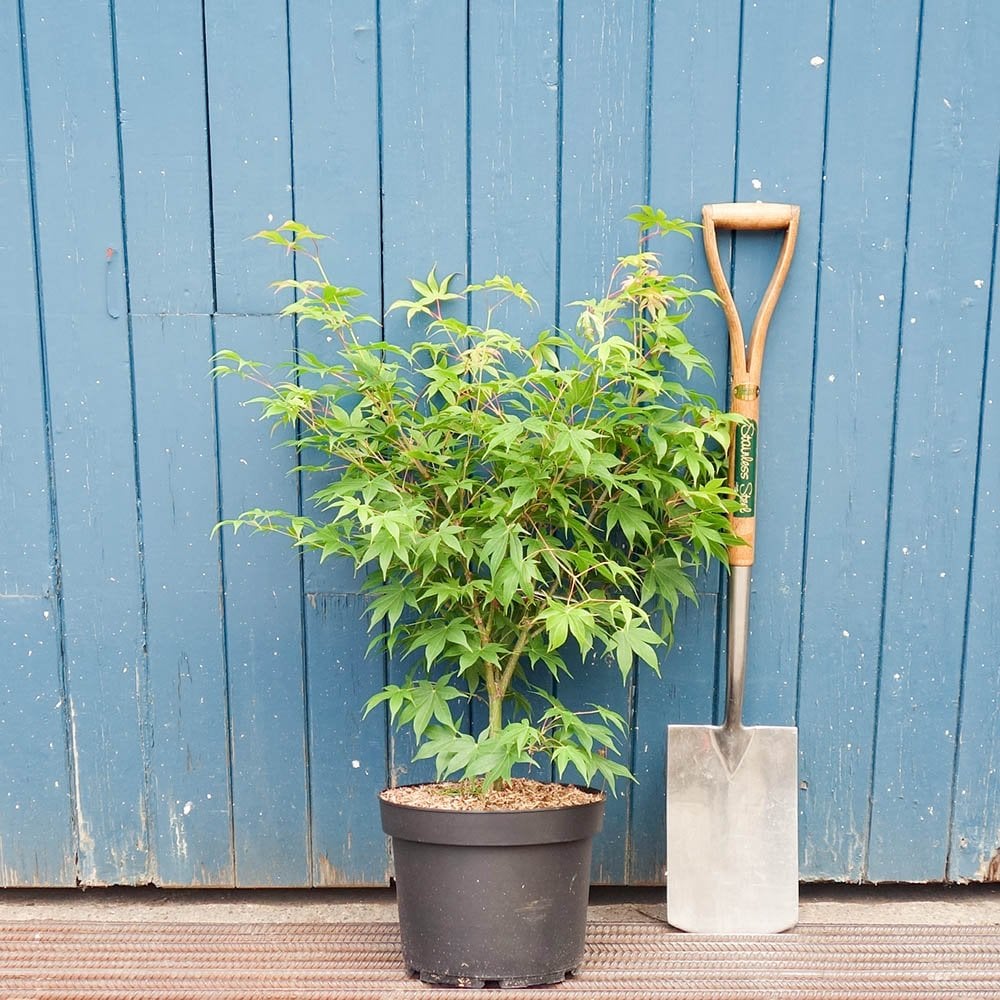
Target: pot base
{"points": [[468, 982]]}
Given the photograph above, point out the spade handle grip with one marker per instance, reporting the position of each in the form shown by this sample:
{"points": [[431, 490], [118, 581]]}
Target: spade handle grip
{"points": [[746, 359]]}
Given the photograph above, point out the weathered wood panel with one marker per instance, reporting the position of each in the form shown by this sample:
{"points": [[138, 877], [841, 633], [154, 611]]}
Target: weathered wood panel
{"points": [[700, 87], [264, 634], [950, 242], [166, 191], [872, 64], [975, 825], [251, 160], [88, 350], [334, 65], [185, 709], [604, 169], [780, 158], [246, 67], [35, 786], [514, 106], [189, 756], [424, 192]]}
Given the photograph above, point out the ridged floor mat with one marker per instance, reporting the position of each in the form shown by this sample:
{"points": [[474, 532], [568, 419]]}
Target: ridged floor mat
{"points": [[268, 961]]}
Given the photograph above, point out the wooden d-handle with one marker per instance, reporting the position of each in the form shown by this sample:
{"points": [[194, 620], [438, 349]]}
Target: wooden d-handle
{"points": [[746, 360], [751, 215]]}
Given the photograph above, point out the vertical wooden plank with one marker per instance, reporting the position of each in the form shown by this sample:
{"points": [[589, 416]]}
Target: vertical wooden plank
{"points": [[949, 248], [347, 755], [872, 63], [263, 628], [514, 151], [165, 171], [71, 80], [689, 166], [248, 101], [334, 62], [513, 175], [975, 826], [423, 142], [604, 174], [334, 66], [247, 58], [190, 752], [605, 95], [780, 158], [164, 151], [424, 187], [35, 786]]}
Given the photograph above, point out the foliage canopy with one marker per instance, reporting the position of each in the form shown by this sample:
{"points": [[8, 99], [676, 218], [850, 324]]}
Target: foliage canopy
{"points": [[506, 499]]}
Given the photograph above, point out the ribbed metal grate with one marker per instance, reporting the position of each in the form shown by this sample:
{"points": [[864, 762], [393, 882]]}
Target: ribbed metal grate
{"points": [[257, 961]]}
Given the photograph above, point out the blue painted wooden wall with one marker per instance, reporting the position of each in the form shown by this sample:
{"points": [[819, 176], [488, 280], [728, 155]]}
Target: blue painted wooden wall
{"points": [[182, 709]]}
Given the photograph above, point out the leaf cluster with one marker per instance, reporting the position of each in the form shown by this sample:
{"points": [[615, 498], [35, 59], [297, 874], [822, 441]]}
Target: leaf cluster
{"points": [[507, 498]]}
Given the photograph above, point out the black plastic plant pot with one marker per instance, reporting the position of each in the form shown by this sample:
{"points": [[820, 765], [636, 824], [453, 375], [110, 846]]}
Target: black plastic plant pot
{"points": [[492, 898]]}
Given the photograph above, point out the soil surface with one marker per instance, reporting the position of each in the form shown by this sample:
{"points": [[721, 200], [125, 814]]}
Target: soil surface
{"points": [[518, 795]]}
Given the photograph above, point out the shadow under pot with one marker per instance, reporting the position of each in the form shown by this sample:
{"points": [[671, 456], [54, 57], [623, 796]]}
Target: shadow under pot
{"points": [[489, 897]]}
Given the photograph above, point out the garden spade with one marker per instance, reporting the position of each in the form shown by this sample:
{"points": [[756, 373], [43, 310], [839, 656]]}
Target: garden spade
{"points": [[732, 815]]}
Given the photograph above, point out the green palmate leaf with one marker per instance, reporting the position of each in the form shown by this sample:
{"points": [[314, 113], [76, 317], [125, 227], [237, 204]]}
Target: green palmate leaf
{"points": [[502, 283]]}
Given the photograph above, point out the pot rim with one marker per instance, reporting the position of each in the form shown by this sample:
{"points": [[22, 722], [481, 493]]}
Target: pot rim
{"points": [[492, 827], [496, 812]]}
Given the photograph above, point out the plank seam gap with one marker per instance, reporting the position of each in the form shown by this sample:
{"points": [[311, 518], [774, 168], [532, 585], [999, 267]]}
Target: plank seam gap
{"points": [[468, 156], [380, 152], [223, 610], [647, 150], [557, 266], [866, 861], [739, 117], [560, 102], [721, 630], [972, 535], [299, 490], [471, 716], [145, 707], [810, 442], [208, 166], [635, 686], [55, 546]]}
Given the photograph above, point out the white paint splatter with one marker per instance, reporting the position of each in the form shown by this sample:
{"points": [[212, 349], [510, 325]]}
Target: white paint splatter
{"points": [[846, 634], [831, 378], [355, 763], [817, 61], [756, 184], [188, 806], [979, 282]]}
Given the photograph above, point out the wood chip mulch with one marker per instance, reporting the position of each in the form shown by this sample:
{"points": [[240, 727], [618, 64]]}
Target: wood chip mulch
{"points": [[518, 795]]}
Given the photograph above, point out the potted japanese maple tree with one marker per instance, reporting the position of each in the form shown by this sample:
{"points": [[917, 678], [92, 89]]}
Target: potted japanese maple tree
{"points": [[517, 506]]}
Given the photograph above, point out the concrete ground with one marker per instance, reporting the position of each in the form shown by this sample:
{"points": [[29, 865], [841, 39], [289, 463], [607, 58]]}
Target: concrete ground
{"points": [[838, 904]]}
